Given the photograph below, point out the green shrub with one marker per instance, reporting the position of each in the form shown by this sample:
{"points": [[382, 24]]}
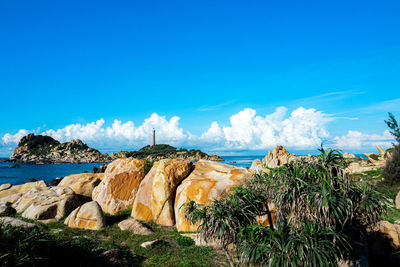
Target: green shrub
{"points": [[316, 205]]}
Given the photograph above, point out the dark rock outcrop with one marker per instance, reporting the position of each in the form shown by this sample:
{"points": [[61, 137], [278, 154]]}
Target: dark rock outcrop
{"points": [[44, 149]]}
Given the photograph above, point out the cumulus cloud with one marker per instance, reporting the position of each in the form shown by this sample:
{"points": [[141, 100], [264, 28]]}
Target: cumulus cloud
{"points": [[299, 129], [357, 140]]}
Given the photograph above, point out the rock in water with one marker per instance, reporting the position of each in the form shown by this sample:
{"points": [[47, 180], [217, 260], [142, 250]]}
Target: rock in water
{"points": [[82, 184], [44, 149], [208, 181], [278, 157], [88, 216], [118, 189], [135, 227], [47, 204]]}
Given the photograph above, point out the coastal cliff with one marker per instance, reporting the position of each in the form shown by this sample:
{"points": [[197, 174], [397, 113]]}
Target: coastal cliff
{"points": [[44, 149]]}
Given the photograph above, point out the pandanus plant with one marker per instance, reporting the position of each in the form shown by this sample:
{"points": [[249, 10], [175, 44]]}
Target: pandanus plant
{"points": [[316, 204]]}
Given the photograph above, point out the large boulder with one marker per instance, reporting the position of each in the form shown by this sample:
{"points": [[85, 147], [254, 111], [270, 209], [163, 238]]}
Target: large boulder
{"points": [[83, 183], [278, 157], [208, 181], [88, 216], [156, 194], [47, 204], [383, 242], [118, 189], [21, 189]]}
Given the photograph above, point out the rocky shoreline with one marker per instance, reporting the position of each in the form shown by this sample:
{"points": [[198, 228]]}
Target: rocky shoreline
{"points": [[41, 149]]}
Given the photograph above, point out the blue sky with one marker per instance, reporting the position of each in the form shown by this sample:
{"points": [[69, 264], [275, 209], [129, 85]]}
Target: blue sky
{"points": [[72, 63]]}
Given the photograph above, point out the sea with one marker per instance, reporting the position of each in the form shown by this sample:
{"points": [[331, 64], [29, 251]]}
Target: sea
{"points": [[48, 172]]}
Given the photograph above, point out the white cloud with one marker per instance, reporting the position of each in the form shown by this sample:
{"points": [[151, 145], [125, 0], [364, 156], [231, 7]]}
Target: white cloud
{"points": [[358, 140], [14, 138], [301, 129]]}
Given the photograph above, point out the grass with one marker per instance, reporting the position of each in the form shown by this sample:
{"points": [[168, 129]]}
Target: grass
{"points": [[175, 250]]}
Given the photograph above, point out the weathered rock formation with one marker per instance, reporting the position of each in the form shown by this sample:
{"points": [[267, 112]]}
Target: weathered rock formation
{"points": [[44, 149], [156, 194], [88, 216], [13, 193], [377, 159], [208, 181], [47, 204], [278, 157], [118, 189], [83, 183]]}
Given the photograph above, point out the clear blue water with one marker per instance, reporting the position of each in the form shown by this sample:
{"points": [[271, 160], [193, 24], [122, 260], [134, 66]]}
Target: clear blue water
{"points": [[48, 172]]}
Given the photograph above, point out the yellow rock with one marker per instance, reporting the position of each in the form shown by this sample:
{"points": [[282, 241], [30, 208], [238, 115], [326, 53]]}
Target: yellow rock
{"points": [[170, 172], [142, 206], [83, 183], [21, 189], [278, 157], [156, 194], [118, 189], [88, 216], [208, 181], [47, 204]]}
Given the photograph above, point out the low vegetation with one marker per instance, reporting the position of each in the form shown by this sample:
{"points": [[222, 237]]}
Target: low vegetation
{"points": [[55, 244], [162, 150], [321, 214]]}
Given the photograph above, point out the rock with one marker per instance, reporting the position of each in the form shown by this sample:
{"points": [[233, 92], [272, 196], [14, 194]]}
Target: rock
{"points": [[15, 222], [100, 169], [151, 244], [47, 204], [278, 157], [377, 160], [20, 189], [199, 241], [170, 172], [141, 209], [208, 181], [135, 227], [31, 180], [44, 149], [349, 155], [384, 241], [4, 187], [256, 166], [82, 184], [397, 201], [118, 189], [359, 167], [56, 181], [88, 216], [6, 209]]}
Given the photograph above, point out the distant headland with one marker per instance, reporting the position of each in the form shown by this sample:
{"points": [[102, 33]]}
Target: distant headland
{"points": [[43, 149]]}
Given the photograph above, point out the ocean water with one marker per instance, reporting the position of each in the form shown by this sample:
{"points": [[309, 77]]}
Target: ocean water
{"points": [[48, 172]]}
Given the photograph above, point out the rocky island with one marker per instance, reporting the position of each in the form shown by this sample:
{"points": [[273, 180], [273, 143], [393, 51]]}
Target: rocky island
{"points": [[46, 150]]}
